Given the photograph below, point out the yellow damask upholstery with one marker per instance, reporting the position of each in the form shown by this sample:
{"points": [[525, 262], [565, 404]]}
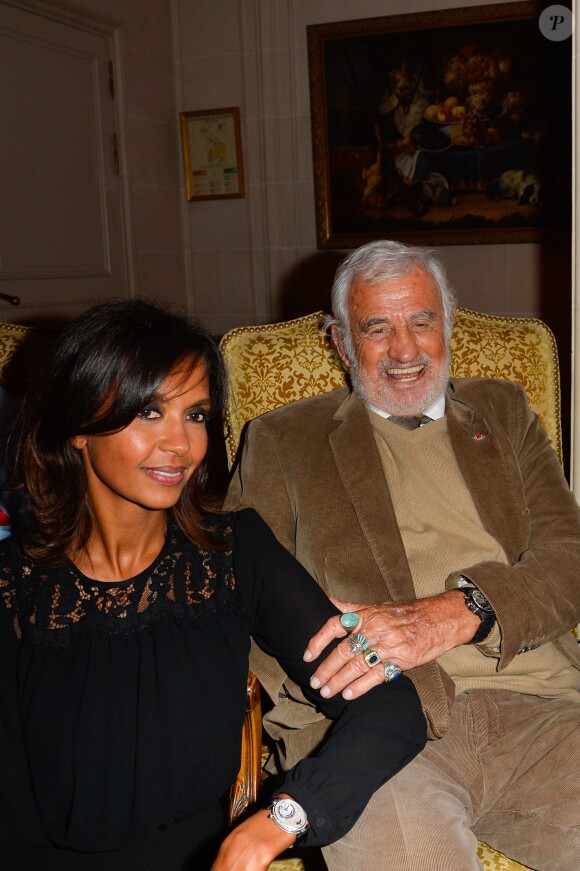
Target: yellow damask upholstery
{"points": [[490, 861], [274, 364], [12, 338]]}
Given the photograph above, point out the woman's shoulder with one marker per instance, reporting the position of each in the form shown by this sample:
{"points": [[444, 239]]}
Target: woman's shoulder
{"points": [[16, 572], [228, 526], [13, 561], [246, 519]]}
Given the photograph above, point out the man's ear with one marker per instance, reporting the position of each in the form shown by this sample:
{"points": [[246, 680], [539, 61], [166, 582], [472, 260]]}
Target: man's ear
{"points": [[78, 442], [339, 345]]}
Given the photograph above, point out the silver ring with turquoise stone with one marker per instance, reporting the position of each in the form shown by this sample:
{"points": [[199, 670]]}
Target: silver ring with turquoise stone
{"points": [[358, 644], [349, 620], [392, 671], [372, 658]]}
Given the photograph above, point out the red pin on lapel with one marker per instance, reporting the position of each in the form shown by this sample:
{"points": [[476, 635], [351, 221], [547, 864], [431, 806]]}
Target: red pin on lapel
{"points": [[479, 436]]}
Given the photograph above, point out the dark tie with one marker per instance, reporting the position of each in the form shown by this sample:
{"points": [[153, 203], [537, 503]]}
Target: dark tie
{"points": [[411, 422]]}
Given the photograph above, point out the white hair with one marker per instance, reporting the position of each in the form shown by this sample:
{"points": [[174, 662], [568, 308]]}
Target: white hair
{"points": [[382, 261]]}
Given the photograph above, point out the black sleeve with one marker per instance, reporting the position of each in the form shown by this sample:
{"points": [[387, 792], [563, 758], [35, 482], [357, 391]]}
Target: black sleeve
{"points": [[19, 823], [374, 736]]}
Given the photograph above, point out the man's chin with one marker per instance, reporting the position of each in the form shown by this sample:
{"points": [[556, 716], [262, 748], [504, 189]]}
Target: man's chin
{"points": [[407, 399], [404, 408], [398, 402]]}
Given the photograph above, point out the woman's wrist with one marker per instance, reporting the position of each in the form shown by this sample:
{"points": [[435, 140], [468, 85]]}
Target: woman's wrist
{"points": [[262, 827], [253, 844], [288, 815]]}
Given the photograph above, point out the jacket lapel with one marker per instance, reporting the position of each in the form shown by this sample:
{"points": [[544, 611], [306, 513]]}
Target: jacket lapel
{"points": [[359, 466], [489, 478], [481, 460]]}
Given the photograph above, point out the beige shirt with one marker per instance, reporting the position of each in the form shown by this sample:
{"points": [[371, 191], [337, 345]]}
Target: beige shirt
{"points": [[442, 533]]}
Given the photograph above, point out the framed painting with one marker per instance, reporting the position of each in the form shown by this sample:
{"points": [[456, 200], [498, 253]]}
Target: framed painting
{"points": [[212, 154], [447, 127]]}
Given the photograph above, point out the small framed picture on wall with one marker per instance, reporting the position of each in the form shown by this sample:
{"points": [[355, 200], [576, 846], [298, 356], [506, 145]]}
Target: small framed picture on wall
{"points": [[212, 154]]}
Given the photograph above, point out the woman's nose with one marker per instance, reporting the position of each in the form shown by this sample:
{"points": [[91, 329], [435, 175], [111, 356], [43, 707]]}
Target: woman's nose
{"points": [[174, 438]]}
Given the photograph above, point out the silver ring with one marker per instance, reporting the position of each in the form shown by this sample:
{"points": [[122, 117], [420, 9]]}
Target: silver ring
{"points": [[358, 644], [392, 671], [372, 658]]}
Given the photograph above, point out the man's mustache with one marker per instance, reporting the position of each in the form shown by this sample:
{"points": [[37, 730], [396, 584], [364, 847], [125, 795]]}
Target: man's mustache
{"points": [[389, 363]]}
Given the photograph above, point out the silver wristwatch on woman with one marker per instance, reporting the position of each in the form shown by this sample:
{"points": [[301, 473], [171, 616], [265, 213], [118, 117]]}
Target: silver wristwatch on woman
{"points": [[288, 815]]}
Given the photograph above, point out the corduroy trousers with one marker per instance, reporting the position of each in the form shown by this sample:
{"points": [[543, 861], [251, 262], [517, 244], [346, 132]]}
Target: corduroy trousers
{"points": [[507, 773]]}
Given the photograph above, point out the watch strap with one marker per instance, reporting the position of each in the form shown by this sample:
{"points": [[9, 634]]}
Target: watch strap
{"points": [[478, 605]]}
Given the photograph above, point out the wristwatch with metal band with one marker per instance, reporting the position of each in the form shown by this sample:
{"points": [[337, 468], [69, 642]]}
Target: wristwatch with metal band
{"points": [[288, 815], [478, 604]]}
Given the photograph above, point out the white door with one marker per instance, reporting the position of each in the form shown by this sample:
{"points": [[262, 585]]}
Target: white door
{"points": [[61, 228]]}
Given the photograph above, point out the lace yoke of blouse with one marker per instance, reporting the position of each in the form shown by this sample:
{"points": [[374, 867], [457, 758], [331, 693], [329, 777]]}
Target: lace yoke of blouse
{"points": [[52, 604]]}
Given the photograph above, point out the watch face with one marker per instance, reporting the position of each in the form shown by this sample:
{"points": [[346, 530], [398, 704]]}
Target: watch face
{"points": [[286, 809], [479, 599], [289, 815]]}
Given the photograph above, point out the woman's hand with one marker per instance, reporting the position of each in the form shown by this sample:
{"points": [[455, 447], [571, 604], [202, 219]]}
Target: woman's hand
{"points": [[407, 634], [252, 845]]}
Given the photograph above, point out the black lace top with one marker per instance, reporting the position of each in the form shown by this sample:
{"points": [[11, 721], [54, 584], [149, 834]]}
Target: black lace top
{"points": [[122, 703]]}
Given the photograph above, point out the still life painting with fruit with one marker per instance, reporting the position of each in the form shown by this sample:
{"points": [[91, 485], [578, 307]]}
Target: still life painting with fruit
{"points": [[454, 124]]}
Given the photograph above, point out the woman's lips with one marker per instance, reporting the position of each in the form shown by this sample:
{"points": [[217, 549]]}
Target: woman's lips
{"points": [[168, 475]]}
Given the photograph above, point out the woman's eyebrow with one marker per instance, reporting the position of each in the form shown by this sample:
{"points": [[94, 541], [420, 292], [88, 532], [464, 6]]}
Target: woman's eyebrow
{"points": [[164, 398]]}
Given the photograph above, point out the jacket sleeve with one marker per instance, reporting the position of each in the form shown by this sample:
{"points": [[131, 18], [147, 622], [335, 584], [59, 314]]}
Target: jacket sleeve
{"points": [[537, 597], [259, 482], [372, 738]]}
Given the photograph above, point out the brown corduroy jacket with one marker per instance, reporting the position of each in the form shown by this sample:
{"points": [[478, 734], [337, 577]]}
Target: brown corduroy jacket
{"points": [[313, 472]]}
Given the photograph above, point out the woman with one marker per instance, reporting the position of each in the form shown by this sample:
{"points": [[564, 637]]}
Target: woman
{"points": [[125, 623]]}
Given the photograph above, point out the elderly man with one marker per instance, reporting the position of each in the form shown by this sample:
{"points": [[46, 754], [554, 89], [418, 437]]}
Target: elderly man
{"points": [[442, 502]]}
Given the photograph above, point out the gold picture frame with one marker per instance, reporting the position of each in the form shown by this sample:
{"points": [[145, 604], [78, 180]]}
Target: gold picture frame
{"points": [[212, 154], [386, 164]]}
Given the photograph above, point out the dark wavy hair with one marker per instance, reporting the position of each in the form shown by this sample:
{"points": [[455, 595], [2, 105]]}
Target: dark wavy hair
{"points": [[104, 368]]}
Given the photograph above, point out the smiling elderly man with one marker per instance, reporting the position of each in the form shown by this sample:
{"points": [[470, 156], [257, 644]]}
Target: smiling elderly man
{"points": [[440, 508]]}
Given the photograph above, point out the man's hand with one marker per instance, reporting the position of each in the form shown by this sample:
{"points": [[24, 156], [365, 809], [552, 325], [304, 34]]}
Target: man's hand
{"points": [[252, 845], [408, 634]]}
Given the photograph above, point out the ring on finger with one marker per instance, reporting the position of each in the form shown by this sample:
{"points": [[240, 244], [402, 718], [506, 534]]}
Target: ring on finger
{"points": [[372, 658], [349, 620], [392, 671], [358, 644]]}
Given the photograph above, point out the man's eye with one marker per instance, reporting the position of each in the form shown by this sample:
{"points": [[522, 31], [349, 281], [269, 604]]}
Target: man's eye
{"points": [[421, 326], [377, 332]]}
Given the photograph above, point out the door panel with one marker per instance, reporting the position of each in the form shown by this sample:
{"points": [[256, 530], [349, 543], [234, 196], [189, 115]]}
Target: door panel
{"points": [[61, 232]]}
